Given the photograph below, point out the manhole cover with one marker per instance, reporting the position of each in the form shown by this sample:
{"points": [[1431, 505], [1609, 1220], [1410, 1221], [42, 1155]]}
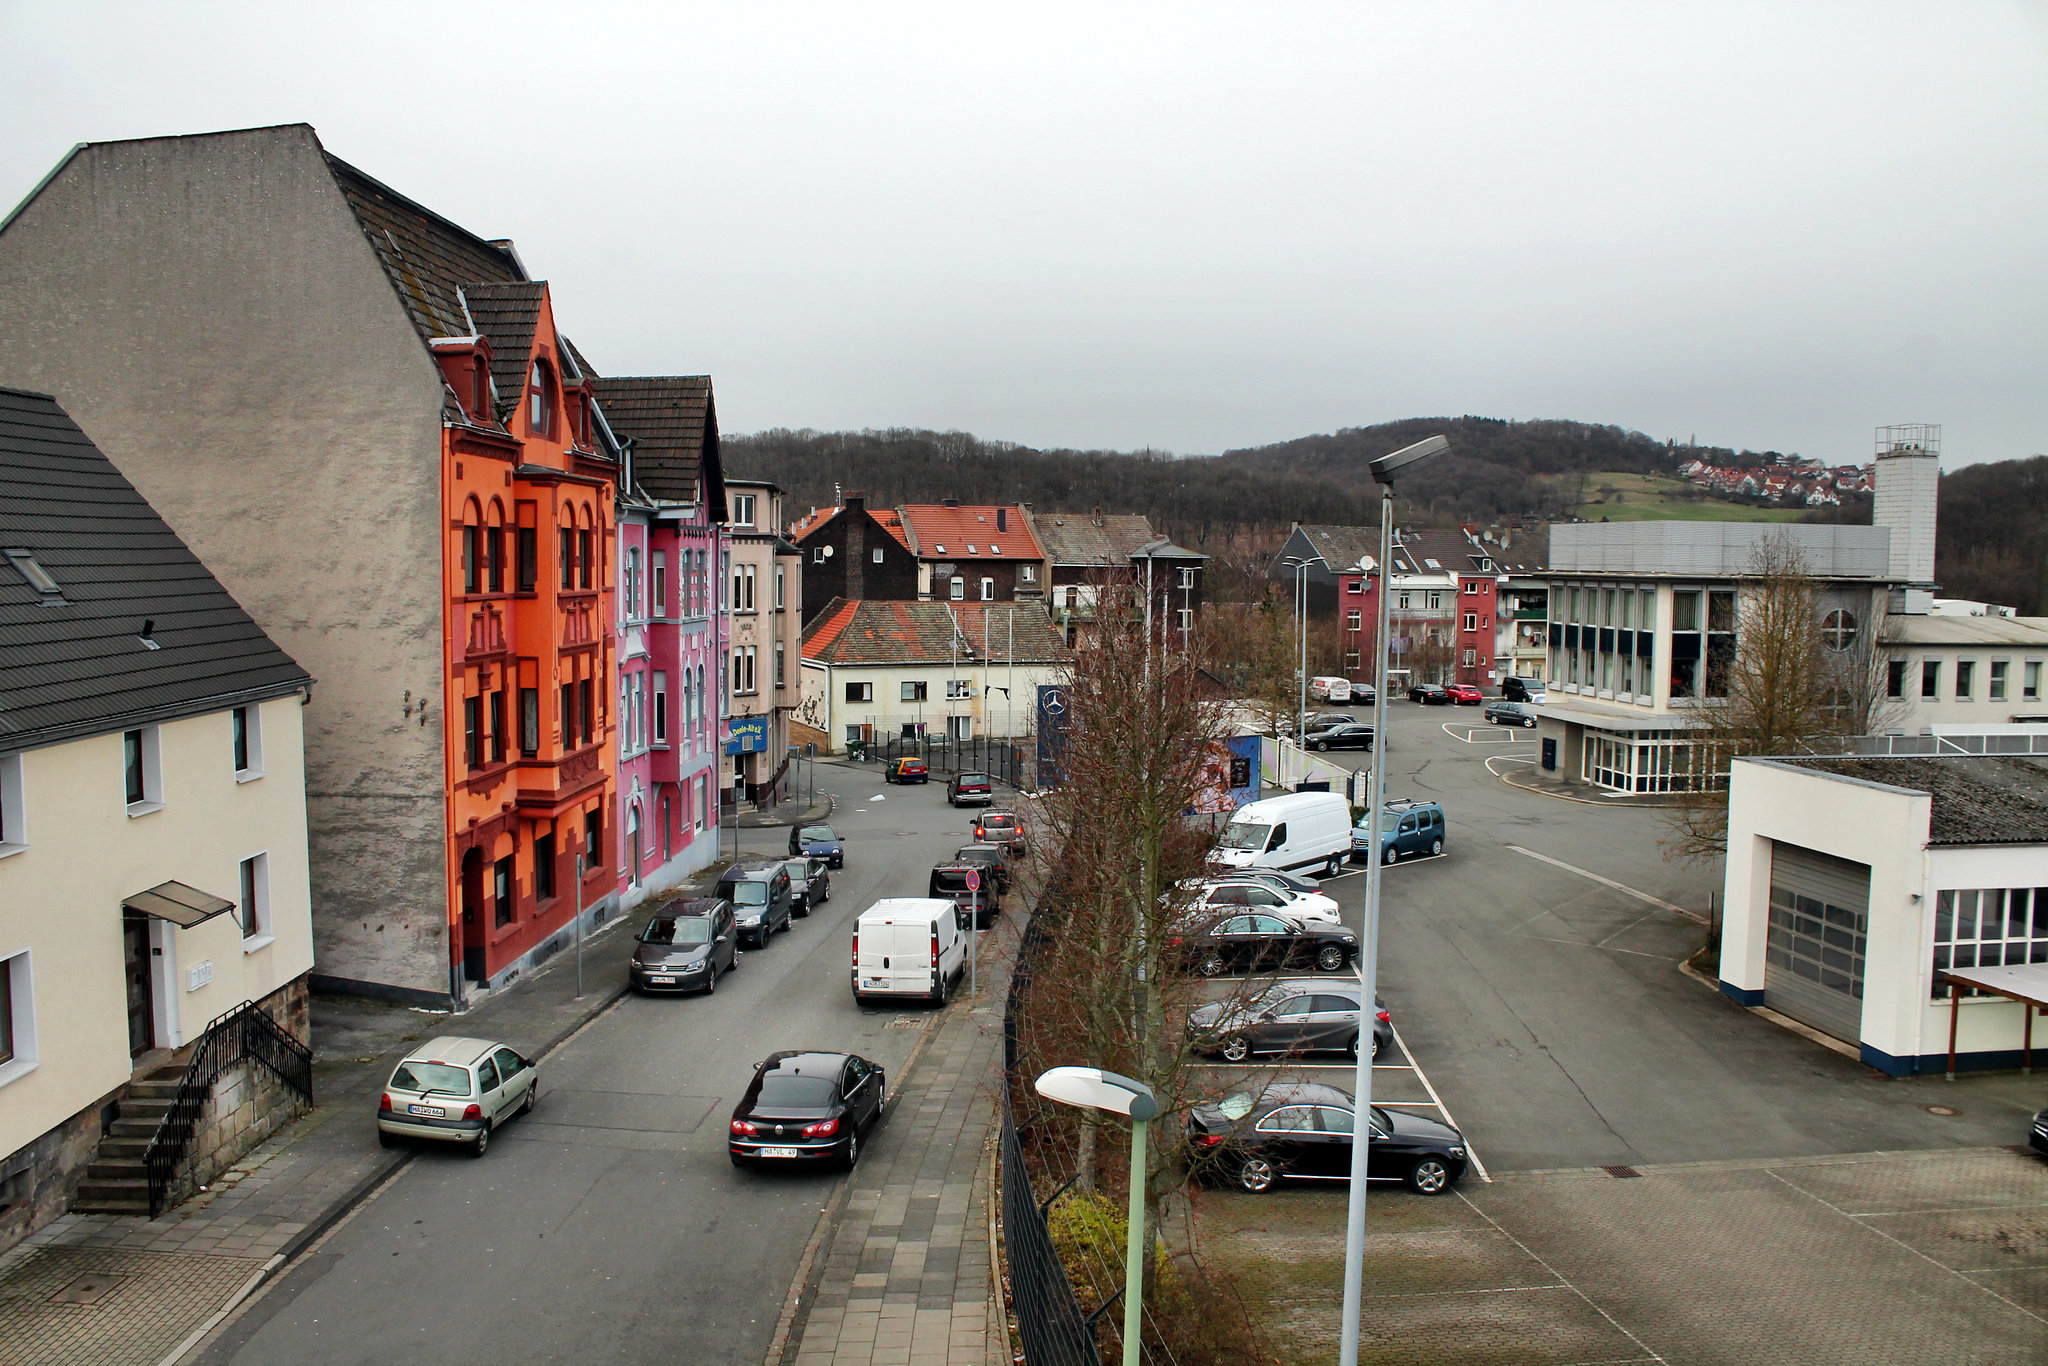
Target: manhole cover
{"points": [[1943, 1110], [1621, 1172], [90, 1288]]}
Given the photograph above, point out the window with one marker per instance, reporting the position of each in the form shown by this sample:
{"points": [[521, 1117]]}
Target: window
{"points": [[13, 814], [1685, 610], [1988, 928], [743, 509], [1471, 621], [1998, 671], [1187, 578], [630, 608], [1838, 629], [743, 669], [960, 727], [818, 555], [540, 401], [498, 727], [544, 868], [17, 1017], [254, 911], [660, 707], [988, 590], [472, 558], [1721, 610], [2030, 684], [781, 674], [878, 554], [586, 710], [494, 557], [1354, 619], [959, 591], [501, 890], [593, 840], [1186, 618], [660, 583], [526, 543], [914, 692], [246, 724], [668, 832], [1404, 601], [472, 733], [1472, 588], [697, 808], [1895, 678], [1966, 677], [743, 588], [1027, 573], [956, 689], [142, 771], [860, 692], [1436, 602], [1353, 585], [780, 575], [566, 553], [529, 721], [1930, 678]]}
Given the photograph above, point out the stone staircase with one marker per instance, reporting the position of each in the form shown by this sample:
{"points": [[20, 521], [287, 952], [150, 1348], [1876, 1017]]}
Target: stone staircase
{"points": [[116, 1182]]}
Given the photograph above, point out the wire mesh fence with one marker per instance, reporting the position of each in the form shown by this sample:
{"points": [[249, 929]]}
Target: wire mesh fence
{"points": [[1002, 759]]}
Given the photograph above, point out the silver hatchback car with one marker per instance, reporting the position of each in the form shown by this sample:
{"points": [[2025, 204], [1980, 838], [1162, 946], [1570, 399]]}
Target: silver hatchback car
{"points": [[455, 1090]]}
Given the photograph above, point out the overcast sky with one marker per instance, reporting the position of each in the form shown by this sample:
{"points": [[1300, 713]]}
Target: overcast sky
{"points": [[1189, 226]]}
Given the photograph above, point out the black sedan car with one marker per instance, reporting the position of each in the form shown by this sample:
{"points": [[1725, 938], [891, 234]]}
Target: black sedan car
{"points": [[817, 841], [1305, 1129], [1510, 714], [810, 884], [992, 859], [970, 789], [1350, 735], [1267, 942], [1429, 695], [1288, 1017], [806, 1107], [686, 947], [2038, 1138]]}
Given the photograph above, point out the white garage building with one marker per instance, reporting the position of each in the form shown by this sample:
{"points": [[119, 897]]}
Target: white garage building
{"points": [[1853, 882]]}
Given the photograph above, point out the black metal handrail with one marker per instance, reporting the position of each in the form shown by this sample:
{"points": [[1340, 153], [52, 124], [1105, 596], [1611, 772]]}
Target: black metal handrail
{"points": [[245, 1033]]}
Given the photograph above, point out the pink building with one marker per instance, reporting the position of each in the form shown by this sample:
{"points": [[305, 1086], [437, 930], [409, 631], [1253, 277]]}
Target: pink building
{"points": [[671, 626]]}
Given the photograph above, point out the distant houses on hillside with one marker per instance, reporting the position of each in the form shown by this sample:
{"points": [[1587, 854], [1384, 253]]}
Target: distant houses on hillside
{"points": [[1791, 482]]}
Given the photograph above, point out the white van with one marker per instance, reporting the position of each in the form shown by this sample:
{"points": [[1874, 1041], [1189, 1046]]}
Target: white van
{"points": [[908, 946], [1329, 688], [1303, 830]]}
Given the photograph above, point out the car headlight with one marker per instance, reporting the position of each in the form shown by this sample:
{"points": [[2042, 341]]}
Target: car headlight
{"points": [[1351, 939], [751, 921], [1457, 1152]]}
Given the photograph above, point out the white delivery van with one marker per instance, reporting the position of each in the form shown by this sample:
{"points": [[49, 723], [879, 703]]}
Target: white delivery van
{"points": [[1329, 688], [908, 946], [1303, 830]]}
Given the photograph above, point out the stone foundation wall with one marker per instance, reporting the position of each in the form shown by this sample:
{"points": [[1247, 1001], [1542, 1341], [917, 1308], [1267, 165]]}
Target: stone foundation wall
{"points": [[38, 1181], [248, 1103]]}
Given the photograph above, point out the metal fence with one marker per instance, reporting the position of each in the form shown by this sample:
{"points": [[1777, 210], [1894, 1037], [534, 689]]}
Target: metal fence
{"points": [[243, 1034], [1001, 759], [2030, 740]]}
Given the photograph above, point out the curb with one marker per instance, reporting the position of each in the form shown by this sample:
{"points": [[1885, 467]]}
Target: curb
{"points": [[1612, 805]]}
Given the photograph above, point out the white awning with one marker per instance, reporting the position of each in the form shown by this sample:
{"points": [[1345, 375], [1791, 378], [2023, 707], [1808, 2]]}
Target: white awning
{"points": [[2023, 982]]}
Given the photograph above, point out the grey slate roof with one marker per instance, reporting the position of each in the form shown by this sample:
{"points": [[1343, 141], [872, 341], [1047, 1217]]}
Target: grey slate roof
{"points": [[1977, 798], [506, 315], [81, 668], [1072, 540], [673, 423], [1342, 547]]}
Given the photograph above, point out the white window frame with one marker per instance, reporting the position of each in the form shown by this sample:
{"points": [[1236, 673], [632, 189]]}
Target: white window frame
{"points": [[988, 590], [1471, 621], [252, 735], [781, 575], [960, 727], [1027, 573], [1354, 619], [252, 875], [743, 509], [698, 802], [152, 771], [877, 555], [959, 589], [781, 664], [21, 996], [660, 707], [658, 581], [2030, 681], [957, 689], [13, 807]]}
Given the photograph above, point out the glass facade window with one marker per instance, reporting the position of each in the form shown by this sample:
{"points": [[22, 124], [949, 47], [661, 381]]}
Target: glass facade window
{"points": [[1685, 610], [1988, 928]]}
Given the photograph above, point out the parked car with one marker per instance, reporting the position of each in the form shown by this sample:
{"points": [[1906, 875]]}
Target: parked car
{"points": [[1464, 694], [970, 789], [992, 859], [1269, 942], [1315, 721], [1364, 694], [1305, 1129], [981, 904], [1273, 877], [1288, 1017], [806, 1107], [818, 841], [685, 947], [1350, 735], [455, 1090], [1510, 714], [2038, 1139], [1429, 695], [759, 892], [1525, 690], [810, 884], [1223, 892], [1298, 830], [1000, 827], [907, 771], [905, 946], [1406, 828], [1329, 688]]}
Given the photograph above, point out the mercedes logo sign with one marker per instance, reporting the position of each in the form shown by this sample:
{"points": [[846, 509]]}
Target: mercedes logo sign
{"points": [[1055, 702]]}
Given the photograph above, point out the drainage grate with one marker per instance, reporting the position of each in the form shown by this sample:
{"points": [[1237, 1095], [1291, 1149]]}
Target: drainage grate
{"points": [[1943, 1110], [90, 1288], [1621, 1172]]}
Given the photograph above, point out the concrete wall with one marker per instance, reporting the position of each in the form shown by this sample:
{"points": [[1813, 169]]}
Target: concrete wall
{"points": [[210, 312], [1718, 549]]}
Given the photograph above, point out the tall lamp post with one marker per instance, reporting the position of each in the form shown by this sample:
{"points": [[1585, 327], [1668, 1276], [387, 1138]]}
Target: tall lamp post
{"points": [[1300, 568], [1091, 1088], [1383, 471]]}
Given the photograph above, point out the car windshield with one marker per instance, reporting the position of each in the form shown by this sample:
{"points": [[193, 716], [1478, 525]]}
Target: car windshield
{"points": [[993, 822], [439, 1077], [816, 832], [947, 880], [784, 1088], [750, 894], [974, 780], [687, 932], [1245, 835], [1236, 1105]]}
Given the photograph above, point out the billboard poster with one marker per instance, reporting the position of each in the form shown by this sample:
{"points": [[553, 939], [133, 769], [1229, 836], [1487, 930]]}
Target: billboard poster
{"points": [[1052, 732]]}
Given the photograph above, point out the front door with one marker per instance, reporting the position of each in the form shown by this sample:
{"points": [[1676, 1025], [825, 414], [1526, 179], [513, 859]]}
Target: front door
{"points": [[138, 963]]}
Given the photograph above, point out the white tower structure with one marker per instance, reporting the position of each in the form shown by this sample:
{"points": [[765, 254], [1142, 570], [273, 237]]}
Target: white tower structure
{"points": [[1908, 486]]}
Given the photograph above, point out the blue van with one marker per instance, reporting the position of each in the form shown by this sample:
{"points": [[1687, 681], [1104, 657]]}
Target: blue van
{"points": [[1407, 828]]}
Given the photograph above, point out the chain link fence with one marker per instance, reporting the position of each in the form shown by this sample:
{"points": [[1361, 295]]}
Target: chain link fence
{"points": [[1002, 759]]}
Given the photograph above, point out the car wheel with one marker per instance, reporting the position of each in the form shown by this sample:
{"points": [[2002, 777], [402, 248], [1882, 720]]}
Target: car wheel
{"points": [[1236, 1048], [1330, 958], [825, 896], [482, 1143], [385, 1140], [1334, 866], [852, 1158], [1389, 854], [1317, 745], [711, 982], [1429, 1176], [1351, 1047], [1493, 720], [1256, 1175], [1435, 847], [1211, 965], [526, 1105], [1529, 724]]}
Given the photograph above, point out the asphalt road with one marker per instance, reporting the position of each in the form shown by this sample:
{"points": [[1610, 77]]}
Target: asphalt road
{"points": [[609, 1225]]}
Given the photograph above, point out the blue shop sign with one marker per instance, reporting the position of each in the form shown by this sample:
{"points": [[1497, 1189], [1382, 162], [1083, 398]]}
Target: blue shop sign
{"points": [[746, 735]]}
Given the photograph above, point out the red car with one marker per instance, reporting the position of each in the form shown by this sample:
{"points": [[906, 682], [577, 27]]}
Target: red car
{"points": [[1464, 694]]}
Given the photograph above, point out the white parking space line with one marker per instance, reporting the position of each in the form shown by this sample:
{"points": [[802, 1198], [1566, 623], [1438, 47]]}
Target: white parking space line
{"points": [[1621, 887], [1471, 1149], [1495, 735], [1507, 759]]}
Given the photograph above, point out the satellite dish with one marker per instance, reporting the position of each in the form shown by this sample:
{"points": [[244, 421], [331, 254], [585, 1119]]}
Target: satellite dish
{"points": [[828, 552]]}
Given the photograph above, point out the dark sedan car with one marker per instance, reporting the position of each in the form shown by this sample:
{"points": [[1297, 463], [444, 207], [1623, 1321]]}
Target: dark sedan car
{"points": [[1430, 695], [806, 1107], [1288, 1017], [817, 841], [1273, 877], [1267, 942], [970, 789], [686, 947], [1305, 1129], [1350, 735], [1510, 714], [2038, 1138], [810, 884], [1317, 721], [992, 859], [983, 902]]}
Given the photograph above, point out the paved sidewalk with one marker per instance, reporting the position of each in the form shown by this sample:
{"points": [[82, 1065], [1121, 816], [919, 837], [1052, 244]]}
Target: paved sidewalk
{"points": [[901, 1276], [114, 1289]]}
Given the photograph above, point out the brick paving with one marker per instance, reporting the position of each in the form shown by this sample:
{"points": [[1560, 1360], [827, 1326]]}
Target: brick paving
{"points": [[110, 1306]]}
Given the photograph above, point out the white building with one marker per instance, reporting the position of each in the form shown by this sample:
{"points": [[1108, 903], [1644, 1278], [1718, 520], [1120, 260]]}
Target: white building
{"points": [[1852, 883], [152, 828]]}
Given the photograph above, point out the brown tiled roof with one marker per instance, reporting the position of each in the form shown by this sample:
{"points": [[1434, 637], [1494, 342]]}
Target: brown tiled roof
{"points": [[427, 257], [923, 633], [506, 315], [673, 423], [1075, 540], [933, 525]]}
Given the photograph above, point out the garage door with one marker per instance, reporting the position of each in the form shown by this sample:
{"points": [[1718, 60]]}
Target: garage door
{"points": [[1813, 963]]}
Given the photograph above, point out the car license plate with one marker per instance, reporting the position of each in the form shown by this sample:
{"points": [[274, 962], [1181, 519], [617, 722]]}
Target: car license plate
{"points": [[782, 1152], [431, 1111], [661, 981]]}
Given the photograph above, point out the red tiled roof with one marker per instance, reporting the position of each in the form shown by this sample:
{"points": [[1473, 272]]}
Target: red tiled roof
{"points": [[825, 628], [924, 633], [956, 529]]}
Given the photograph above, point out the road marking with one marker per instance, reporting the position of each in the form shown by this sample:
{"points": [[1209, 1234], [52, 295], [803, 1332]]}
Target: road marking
{"points": [[1495, 735], [1582, 944], [1506, 759], [1471, 1149], [1621, 887]]}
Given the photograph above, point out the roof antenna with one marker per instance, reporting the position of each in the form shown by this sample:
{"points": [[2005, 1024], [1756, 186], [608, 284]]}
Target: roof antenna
{"points": [[149, 641]]}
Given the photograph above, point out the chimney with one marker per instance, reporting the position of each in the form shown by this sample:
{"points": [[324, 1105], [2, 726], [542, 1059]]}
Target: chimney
{"points": [[854, 498], [1097, 517], [949, 502], [1002, 519], [1908, 485]]}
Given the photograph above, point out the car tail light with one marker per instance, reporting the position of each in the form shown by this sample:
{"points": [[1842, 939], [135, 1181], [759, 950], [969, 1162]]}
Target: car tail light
{"points": [[824, 1128], [473, 1112], [742, 1126], [1208, 1140], [980, 833], [1383, 1017], [384, 1103], [856, 948], [935, 950]]}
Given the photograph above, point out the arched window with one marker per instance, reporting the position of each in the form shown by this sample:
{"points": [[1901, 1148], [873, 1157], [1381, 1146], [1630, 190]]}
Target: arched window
{"points": [[480, 391], [494, 547], [633, 843], [540, 400], [668, 832], [472, 547], [585, 539], [1838, 629], [632, 594]]}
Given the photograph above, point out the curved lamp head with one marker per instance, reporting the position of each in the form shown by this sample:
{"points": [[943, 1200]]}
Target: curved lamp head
{"points": [[1091, 1088], [1387, 466]]}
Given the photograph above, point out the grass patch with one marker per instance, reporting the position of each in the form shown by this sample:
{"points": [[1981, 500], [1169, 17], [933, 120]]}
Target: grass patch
{"points": [[1620, 496]]}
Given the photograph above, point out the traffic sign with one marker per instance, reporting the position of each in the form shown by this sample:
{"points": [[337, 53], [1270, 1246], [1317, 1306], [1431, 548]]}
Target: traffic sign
{"points": [[973, 879]]}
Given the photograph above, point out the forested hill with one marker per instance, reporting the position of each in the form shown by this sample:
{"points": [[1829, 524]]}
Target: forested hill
{"points": [[1991, 538], [1494, 468]]}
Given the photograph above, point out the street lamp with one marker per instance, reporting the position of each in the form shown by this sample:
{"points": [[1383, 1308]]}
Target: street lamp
{"points": [[1300, 568], [1091, 1088], [1383, 471]]}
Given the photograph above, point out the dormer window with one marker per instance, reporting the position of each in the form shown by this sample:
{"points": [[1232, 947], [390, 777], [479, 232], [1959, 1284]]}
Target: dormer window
{"points": [[480, 391], [540, 400]]}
